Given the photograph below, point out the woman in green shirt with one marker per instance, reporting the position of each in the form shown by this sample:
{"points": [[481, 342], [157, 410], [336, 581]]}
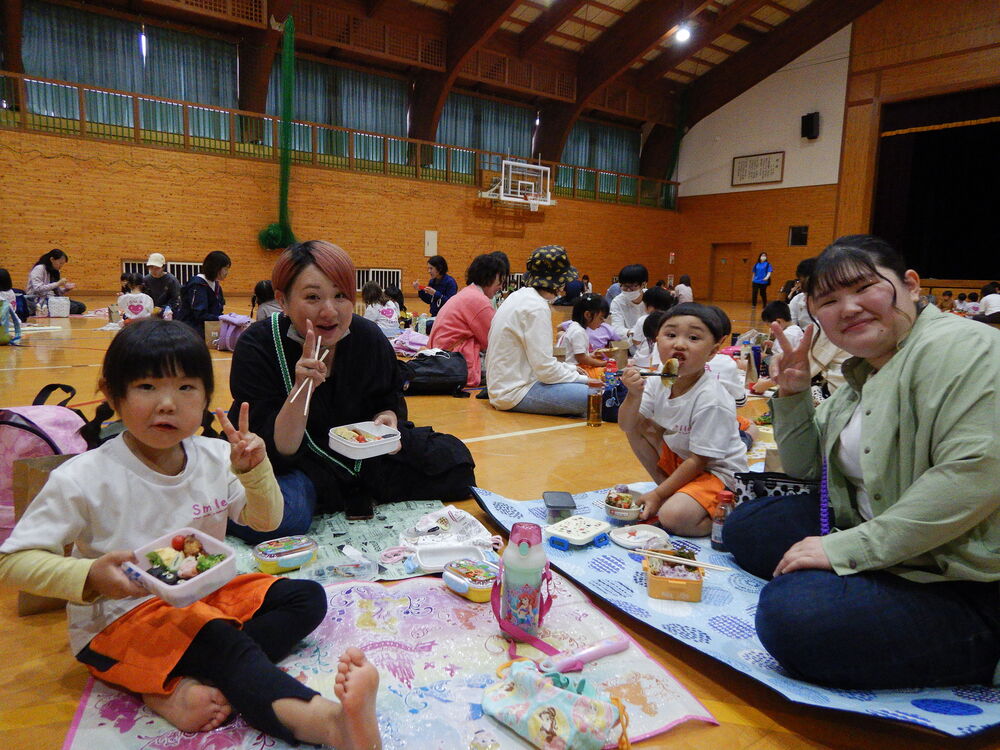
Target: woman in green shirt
{"points": [[890, 577]]}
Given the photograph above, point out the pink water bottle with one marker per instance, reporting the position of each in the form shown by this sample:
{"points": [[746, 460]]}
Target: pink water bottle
{"points": [[523, 570]]}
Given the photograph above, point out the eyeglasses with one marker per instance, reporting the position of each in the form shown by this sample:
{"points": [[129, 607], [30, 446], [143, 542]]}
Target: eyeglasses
{"points": [[631, 287]]}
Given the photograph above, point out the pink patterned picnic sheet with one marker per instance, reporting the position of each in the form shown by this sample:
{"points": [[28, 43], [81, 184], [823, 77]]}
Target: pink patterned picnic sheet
{"points": [[435, 652]]}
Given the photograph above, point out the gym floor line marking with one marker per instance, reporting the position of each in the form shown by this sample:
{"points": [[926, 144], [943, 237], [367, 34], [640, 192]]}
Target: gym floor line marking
{"points": [[524, 432], [65, 367]]}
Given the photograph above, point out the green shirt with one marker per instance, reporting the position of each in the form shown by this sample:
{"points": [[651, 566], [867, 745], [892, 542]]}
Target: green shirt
{"points": [[930, 454]]}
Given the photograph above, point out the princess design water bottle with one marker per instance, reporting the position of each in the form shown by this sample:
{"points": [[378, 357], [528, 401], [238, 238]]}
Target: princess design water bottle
{"points": [[168, 314], [523, 569]]}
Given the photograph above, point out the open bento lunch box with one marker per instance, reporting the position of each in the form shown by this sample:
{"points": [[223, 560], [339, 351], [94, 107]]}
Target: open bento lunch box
{"points": [[363, 440], [185, 591]]}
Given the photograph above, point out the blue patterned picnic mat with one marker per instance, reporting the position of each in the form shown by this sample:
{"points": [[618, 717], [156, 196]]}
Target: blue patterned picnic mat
{"points": [[722, 624]]}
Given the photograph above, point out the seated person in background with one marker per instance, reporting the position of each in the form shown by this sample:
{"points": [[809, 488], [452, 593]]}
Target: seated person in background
{"points": [[45, 281], [627, 307], [263, 299], [522, 372], [947, 302], [355, 378], [571, 293], [589, 312], [133, 303], [683, 291], [777, 313], [960, 303], [889, 577], [394, 293], [162, 286], [440, 288], [379, 308], [684, 432], [972, 304], [463, 325], [797, 304], [613, 291], [201, 297], [990, 304], [657, 298]]}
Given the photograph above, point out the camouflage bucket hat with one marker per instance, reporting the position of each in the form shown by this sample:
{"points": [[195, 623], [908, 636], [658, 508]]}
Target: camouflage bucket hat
{"points": [[548, 268]]}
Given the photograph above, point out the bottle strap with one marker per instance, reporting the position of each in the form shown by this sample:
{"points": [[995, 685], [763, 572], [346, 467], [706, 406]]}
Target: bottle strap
{"points": [[515, 632]]}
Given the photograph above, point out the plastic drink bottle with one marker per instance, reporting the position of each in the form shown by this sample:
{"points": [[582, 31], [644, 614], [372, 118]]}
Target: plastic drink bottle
{"points": [[523, 569], [168, 314], [722, 511]]}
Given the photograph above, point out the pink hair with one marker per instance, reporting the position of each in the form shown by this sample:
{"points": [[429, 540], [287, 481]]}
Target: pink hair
{"points": [[330, 259]]}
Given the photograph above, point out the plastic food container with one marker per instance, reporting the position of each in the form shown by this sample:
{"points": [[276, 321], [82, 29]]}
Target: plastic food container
{"points": [[388, 440], [184, 592], [285, 553], [435, 558], [472, 579], [681, 589], [577, 531], [348, 570], [639, 535]]}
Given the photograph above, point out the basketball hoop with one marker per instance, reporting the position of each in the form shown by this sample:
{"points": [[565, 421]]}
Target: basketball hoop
{"points": [[533, 199]]}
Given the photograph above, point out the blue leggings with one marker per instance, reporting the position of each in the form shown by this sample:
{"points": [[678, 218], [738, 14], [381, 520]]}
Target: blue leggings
{"points": [[868, 630]]}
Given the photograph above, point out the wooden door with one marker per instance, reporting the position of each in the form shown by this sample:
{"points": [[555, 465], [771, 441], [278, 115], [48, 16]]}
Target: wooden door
{"points": [[731, 269]]}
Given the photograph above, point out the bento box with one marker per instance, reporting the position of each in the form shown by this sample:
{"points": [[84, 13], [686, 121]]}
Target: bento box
{"points": [[187, 590], [665, 587], [277, 556], [364, 440], [472, 579]]}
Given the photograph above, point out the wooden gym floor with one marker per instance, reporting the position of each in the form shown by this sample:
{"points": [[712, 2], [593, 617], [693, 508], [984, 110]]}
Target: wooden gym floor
{"points": [[41, 683]]}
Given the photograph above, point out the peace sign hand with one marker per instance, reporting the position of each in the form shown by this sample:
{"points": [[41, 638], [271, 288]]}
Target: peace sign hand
{"points": [[248, 448], [793, 371]]}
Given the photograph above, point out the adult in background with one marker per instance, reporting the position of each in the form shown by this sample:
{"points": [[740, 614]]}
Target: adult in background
{"points": [[762, 271], [904, 591], [440, 288], [627, 307], [571, 293], [588, 288], [202, 298], [522, 373], [683, 291], [355, 378], [161, 285], [45, 280], [463, 325]]}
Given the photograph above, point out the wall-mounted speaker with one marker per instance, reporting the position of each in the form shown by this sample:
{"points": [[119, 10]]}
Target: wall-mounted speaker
{"points": [[810, 126]]}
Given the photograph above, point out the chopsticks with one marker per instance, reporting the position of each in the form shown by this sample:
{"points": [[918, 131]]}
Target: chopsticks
{"points": [[682, 560], [309, 383], [656, 375]]}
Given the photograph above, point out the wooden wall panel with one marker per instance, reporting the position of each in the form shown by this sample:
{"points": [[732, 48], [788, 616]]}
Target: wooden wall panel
{"points": [[907, 49], [760, 217], [102, 202]]}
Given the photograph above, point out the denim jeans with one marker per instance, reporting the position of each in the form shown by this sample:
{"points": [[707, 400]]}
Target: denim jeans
{"points": [[558, 399], [867, 630], [299, 495]]}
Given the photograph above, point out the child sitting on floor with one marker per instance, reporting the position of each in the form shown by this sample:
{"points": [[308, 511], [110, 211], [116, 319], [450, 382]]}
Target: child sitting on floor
{"points": [[197, 664], [685, 432], [263, 299], [657, 298], [379, 308], [133, 303], [778, 312], [589, 312]]}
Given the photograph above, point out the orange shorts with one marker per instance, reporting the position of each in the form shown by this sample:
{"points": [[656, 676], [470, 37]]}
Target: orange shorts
{"points": [[144, 645], [705, 488]]}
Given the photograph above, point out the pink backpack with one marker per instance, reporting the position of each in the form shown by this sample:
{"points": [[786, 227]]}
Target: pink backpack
{"points": [[32, 431], [231, 327]]}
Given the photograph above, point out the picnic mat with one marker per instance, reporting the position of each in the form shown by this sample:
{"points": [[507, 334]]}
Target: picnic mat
{"points": [[722, 624], [332, 531], [435, 652]]}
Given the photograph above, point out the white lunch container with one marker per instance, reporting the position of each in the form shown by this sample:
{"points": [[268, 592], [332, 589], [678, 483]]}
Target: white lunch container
{"points": [[388, 440], [188, 591]]}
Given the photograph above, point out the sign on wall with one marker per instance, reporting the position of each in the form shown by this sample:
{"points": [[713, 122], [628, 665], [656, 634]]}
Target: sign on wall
{"points": [[758, 169]]}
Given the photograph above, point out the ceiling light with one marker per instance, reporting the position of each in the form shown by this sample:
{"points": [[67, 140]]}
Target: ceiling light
{"points": [[683, 34]]}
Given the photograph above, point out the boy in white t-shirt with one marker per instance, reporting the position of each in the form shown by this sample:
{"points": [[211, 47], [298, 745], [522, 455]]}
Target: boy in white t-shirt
{"points": [[683, 430], [777, 312]]}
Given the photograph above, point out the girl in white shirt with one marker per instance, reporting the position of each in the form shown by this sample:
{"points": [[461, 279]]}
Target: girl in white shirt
{"points": [[379, 308], [684, 433], [588, 312], [133, 303], [192, 665]]}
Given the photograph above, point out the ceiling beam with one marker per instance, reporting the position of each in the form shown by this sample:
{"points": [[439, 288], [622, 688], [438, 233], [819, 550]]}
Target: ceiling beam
{"points": [[640, 30], [256, 52], [745, 34], [557, 14], [754, 63], [709, 27], [471, 24]]}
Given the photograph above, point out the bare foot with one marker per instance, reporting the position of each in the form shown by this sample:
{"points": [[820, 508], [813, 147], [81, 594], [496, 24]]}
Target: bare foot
{"points": [[192, 707], [356, 686]]}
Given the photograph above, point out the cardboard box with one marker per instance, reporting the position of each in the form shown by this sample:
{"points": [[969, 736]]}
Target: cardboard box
{"points": [[212, 333], [30, 475]]}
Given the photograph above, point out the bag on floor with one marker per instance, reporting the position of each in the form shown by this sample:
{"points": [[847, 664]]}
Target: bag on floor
{"points": [[58, 307], [10, 324], [750, 485], [231, 327], [613, 397], [32, 431], [434, 372]]}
